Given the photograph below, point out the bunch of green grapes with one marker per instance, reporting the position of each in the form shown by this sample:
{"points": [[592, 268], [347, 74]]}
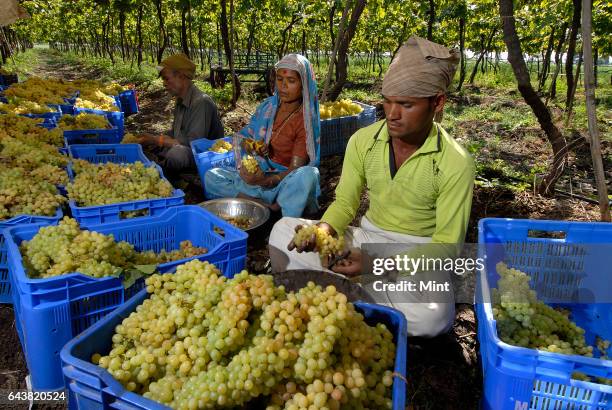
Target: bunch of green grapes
{"points": [[251, 164], [91, 86], [340, 108], [83, 121], [203, 341], [50, 173], [186, 250], [27, 130], [21, 106], [21, 193], [525, 321], [41, 91], [109, 183], [221, 147], [64, 248], [31, 154], [325, 243], [96, 100]]}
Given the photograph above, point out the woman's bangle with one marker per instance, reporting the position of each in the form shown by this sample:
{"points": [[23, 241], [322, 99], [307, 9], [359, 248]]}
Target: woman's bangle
{"points": [[160, 141]]}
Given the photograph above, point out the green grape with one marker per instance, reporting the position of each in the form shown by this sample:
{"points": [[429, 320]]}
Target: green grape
{"points": [[204, 341], [250, 163], [83, 121], [109, 183], [20, 193], [64, 248], [325, 243], [525, 321]]}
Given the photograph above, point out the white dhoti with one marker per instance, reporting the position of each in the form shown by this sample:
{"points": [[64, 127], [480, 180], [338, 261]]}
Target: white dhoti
{"points": [[426, 318]]}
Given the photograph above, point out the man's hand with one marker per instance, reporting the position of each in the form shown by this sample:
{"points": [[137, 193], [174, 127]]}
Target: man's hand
{"points": [[308, 246], [351, 265], [147, 139], [311, 243], [157, 140]]}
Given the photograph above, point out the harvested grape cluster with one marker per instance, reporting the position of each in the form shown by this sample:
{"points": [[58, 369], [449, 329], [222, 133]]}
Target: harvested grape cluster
{"points": [[203, 341], [221, 147], [186, 250], [109, 183], [525, 321], [98, 95], [41, 91], [23, 193], [340, 108], [325, 243], [64, 248], [28, 130], [83, 121], [250, 163], [21, 106], [31, 154], [34, 95]]}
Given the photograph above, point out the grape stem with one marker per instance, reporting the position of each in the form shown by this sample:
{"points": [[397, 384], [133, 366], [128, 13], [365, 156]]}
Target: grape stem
{"points": [[338, 258]]}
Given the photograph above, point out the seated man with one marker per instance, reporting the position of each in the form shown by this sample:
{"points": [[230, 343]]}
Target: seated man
{"points": [[419, 182], [195, 116]]}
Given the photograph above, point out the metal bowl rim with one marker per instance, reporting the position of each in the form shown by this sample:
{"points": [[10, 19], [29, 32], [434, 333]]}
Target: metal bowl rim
{"points": [[266, 210]]}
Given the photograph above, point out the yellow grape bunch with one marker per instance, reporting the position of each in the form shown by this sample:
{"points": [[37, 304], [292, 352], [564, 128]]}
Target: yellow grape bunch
{"points": [[340, 108], [251, 164], [83, 121], [254, 146], [325, 243], [27, 130], [221, 147], [64, 248], [204, 341]]}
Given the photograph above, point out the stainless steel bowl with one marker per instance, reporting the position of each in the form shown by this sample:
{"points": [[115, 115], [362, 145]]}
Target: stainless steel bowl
{"points": [[238, 207]]}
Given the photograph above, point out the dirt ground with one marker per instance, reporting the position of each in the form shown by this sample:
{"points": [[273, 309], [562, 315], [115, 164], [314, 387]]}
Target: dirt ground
{"points": [[443, 373]]}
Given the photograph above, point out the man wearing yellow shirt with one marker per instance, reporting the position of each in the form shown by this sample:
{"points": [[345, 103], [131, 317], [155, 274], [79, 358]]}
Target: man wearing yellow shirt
{"points": [[419, 182]]}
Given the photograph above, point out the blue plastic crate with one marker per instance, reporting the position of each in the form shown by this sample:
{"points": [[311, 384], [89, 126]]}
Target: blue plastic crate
{"points": [[99, 214], [129, 102], [116, 153], [5, 280], [53, 116], [54, 310], [335, 132], [48, 124], [106, 136], [66, 109], [206, 159], [92, 387], [554, 254]]}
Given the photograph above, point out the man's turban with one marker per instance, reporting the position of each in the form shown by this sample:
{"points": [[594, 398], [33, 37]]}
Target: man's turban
{"points": [[420, 68]]}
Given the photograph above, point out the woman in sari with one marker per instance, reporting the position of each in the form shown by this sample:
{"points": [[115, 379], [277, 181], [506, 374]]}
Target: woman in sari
{"points": [[286, 127]]}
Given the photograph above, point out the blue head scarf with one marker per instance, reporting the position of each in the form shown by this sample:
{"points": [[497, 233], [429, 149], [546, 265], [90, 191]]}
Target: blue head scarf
{"points": [[260, 126]]}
